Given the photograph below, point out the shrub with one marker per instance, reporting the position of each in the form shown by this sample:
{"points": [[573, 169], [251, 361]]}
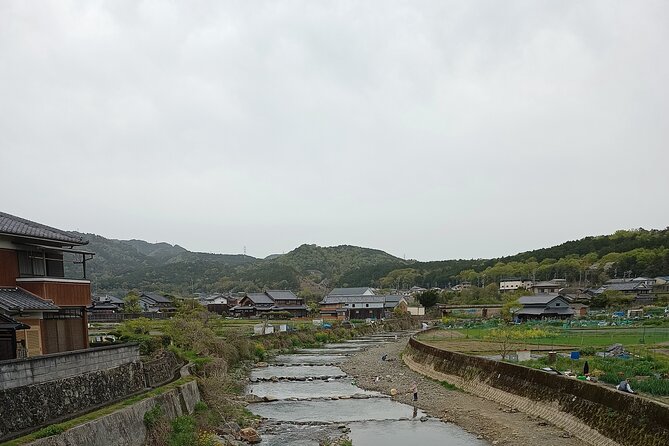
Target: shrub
{"points": [[588, 351], [183, 432], [153, 416], [259, 351], [49, 431]]}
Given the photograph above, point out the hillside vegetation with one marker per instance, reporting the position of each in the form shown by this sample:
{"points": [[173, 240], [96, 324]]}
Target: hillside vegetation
{"points": [[120, 265]]}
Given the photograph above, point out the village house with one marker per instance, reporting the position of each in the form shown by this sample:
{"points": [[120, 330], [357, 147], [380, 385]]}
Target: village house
{"points": [[156, 303], [216, 303], [514, 283], [548, 287], [272, 301], [106, 305], [359, 303], [544, 306], [44, 291], [629, 287]]}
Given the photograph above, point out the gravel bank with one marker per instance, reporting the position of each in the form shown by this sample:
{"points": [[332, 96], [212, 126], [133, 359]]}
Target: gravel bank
{"points": [[486, 419]]}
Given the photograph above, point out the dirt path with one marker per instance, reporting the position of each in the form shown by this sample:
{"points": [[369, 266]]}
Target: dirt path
{"points": [[497, 424]]}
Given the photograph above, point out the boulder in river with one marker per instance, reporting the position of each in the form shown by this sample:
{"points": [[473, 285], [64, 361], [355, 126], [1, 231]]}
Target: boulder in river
{"points": [[261, 364], [251, 398], [249, 435]]}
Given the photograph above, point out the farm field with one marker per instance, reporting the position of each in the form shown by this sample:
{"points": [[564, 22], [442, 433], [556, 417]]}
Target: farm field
{"points": [[646, 365], [566, 337]]}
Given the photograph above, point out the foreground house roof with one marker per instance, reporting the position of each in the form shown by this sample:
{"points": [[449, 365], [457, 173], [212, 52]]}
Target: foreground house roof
{"points": [[14, 299], [22, 228]]}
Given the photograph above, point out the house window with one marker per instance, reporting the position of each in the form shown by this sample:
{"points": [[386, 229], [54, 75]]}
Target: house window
{"points": [[353, 305], [367, 305], [40, 264], [557, 304]]}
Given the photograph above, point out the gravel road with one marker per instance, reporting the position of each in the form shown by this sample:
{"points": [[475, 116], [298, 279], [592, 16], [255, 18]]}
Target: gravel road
{"points": [[487, 419]]}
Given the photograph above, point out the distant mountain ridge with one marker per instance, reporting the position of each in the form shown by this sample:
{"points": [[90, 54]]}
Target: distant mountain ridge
{"points": [[120, 265]]}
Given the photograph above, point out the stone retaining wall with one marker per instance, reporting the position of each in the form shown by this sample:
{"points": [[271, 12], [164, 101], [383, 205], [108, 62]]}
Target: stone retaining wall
{"points": [[627, 419], [126, 426], [28, 371], [49, 402]]}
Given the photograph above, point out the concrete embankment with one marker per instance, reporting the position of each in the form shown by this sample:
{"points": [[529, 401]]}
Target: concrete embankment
{"points": [[126, 427], [82, 384], [595, 414]]}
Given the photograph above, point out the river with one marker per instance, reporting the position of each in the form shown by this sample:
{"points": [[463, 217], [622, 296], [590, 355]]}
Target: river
{"points": [[311, 398]]}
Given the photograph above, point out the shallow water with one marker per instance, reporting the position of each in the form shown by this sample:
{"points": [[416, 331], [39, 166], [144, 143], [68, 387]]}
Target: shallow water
{"points": [[308, 389], [310, 371], [373, 421], [309, 359], [402, 433], [335, 410]]}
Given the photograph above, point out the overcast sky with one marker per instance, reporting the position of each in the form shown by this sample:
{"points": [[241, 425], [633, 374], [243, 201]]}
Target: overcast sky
{"points": [[428, 129]]}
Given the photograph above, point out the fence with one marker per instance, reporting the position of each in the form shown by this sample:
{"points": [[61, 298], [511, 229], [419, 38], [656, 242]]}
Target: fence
{"points": [[120, 317]]}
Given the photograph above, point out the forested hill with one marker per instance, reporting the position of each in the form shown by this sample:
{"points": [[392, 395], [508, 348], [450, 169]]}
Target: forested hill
{"points": [[588, 261], [120, 265], [620, 241]]}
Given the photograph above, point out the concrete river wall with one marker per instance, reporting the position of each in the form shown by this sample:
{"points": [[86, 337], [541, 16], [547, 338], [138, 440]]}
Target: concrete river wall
{"points": [[594, 413], [50, 389], [126, 426]]}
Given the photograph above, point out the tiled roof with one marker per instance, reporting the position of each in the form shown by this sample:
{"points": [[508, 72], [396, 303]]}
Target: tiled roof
{"points": [[547, 284], [8, 322], [546, 311], [157, 298], [359, 298], [282, 295], [10, 224], [348, 291], [16, 299], [260, 298], [539, 299], [626, 286]]}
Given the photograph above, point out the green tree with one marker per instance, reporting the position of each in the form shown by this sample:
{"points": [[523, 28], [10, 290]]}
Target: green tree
{"points": [[428, 298], [132, 303], [509, 308]]}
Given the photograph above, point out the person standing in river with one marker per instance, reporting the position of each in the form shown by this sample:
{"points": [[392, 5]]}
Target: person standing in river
{"points": [[414, 390]]}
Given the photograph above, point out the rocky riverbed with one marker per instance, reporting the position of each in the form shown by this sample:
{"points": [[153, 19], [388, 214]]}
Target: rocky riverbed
{"points": [[487, 420], [311, 401]]}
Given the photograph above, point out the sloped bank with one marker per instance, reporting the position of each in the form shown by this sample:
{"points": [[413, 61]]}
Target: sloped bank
{"points": [[48, 402], [126, 427], [595, 414]]}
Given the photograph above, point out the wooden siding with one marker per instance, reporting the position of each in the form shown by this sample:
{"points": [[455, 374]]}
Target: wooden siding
{"points": [[62, 294], [62, 335], [33, 336], [9, 267]]}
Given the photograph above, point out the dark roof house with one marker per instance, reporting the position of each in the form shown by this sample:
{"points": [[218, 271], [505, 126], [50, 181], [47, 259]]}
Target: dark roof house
{"points": [[543, 306], [254, 304], [40, 286], [22, 228]]}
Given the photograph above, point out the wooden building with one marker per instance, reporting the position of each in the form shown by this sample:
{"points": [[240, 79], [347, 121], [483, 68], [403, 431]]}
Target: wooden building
{"points": [[359, 303], [43, 286], [268, 302]]}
